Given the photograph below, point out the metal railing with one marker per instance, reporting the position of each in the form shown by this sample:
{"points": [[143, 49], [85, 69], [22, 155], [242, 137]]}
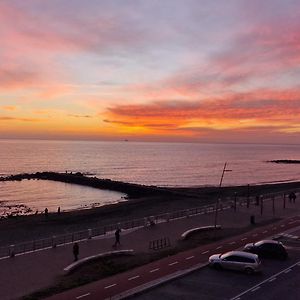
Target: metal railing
{"points": [[58, 240]]}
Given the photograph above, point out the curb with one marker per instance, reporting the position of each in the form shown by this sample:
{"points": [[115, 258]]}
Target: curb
{"points": [[152, 284]]}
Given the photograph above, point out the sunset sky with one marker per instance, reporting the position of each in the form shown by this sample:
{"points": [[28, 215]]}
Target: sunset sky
{"points": [[151, 70]]}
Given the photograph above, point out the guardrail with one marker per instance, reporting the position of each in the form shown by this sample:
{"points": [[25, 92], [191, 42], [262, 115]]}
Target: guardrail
{"points": [[58, 240]]}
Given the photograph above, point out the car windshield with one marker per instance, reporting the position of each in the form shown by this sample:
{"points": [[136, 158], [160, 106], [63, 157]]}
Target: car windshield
{"points": [[259, 243], [225, 255]]}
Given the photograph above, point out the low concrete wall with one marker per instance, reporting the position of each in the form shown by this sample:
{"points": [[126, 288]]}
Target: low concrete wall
{"points": [[189, 232], [82, 261]]}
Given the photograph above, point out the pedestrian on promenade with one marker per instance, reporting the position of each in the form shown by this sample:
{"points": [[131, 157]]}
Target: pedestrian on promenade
{"points": [[117, 236], [58, 210], [46, 212], [294, 197], [76, 251]]}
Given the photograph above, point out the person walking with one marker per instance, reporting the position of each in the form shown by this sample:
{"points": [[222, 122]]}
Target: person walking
{"points": [[294, 197], [46, 212], [75, 251], [117, 236]]}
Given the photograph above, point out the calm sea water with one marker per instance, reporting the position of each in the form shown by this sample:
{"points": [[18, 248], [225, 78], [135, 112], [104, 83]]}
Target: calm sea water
{"points": [[164, 164]]}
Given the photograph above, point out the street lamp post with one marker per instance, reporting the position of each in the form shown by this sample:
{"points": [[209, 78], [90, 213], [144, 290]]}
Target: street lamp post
{"points": [[219, 193]]}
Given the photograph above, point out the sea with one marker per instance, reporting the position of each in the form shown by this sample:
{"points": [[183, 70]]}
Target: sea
{"points": [[160, 164]]}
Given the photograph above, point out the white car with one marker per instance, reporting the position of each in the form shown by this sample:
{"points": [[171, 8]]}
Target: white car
{"points": [[236, 260]]}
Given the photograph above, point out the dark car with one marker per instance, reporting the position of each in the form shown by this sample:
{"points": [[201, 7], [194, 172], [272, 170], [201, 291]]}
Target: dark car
{"points": [[267, 248]]}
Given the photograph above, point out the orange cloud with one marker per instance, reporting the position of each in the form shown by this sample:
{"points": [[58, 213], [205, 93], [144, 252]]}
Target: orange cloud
{"points": [[259, 111]]}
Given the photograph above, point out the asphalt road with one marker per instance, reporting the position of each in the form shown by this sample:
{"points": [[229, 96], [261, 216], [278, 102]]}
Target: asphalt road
{"points": [[203, 284], [279, 280]]}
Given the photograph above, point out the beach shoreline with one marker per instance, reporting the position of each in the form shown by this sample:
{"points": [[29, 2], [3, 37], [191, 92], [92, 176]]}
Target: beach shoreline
{"points": [[152, 201]]}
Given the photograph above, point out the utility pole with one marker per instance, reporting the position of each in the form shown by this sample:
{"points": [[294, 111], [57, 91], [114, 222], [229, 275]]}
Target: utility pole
{"points": [[219, 194]]}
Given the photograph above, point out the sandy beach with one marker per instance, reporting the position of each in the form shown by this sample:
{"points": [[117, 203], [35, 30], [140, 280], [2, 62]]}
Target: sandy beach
{"points": [[28, 228]]}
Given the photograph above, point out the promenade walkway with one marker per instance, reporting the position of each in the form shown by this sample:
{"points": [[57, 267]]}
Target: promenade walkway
{"points": [[26, 273]]}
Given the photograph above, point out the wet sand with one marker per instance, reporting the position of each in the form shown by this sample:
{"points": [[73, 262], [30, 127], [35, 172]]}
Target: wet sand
{"points": [[27, 228]]}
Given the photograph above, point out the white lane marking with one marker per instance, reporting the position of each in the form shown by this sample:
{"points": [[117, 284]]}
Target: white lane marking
{"points": [[82, 296], [110, 286], [154, 270], [264, 281], [134, 277], [287, 271], [219, 247], [257, 288], [190, 257], [173, 263], [232, 243], [243, 239], [205, 252], [282, 225], [272, 279], [265, 231], [255, 234]]}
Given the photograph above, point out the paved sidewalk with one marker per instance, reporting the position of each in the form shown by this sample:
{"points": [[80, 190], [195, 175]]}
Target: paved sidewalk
{"points": [[26, 273]]}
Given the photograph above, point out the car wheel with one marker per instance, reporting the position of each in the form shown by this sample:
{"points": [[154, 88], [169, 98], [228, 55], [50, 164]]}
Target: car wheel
{"points": [[217, 266], [249, 271]]}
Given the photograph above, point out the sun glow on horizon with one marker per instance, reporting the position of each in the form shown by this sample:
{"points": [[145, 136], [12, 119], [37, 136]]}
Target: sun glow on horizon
{"points": [[107, 70]]}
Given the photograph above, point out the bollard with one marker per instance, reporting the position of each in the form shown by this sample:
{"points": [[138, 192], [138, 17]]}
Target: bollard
{"points": [[12, 251], [187, 213], [248, 196], [168, 217], [145, 222], [261, 205], [284, 200], [235, 199], [252, 220], [89, 234], [53, 241], [273, 205]]}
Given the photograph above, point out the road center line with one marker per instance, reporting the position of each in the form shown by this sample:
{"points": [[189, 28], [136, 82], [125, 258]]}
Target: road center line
{"points": [[232, 243], [243, 239], [255, 234], [110, 286], [154, 270], [264, 281], [173, 263], [257, 288], [219, 247], [205, 252], [265, 231], [282, 225], [134, 277], [272, 279], [287, 271], [82, 296], [190, 257]]}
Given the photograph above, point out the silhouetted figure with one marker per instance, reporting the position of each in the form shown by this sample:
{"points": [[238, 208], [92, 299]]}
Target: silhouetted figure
{"points": [[292, 197], [257, 200], [117, 236], [58, 210], [46, 212], [76, 251]]}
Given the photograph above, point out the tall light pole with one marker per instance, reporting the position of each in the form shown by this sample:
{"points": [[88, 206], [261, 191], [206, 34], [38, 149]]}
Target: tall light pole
{"points": [[219, 193]]}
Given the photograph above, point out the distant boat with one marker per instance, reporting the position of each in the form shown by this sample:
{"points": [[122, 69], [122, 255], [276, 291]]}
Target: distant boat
{"points": [[125, 140]]}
